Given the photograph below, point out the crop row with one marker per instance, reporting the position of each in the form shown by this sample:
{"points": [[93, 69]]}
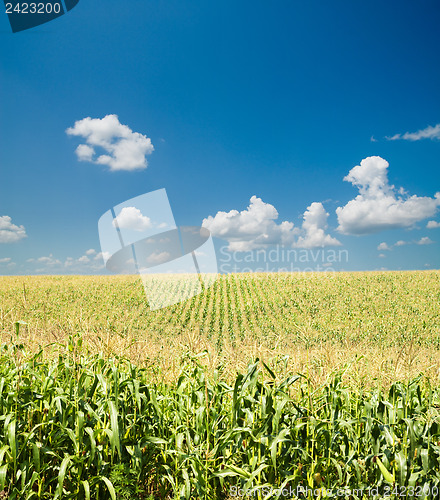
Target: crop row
{"points": [[382, 309]]}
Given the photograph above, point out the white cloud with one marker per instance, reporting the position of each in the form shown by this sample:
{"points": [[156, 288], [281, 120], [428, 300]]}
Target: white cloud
{"points": [[85, 153], [252, 228], [53, 265], [424, 241], [383, 246], [132, 218], [5, 260], [314, 226], [91, 251], [394, 137], [102, 256], [84, 265], [158, 258], [256, 227], [379, 206], [426, 133], [382, 255], [10, 233], [126, 150], [432, 224], [49, 261]]}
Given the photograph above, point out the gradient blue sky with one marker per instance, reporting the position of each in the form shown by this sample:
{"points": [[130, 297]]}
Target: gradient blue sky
{"points": [[278, 100]]}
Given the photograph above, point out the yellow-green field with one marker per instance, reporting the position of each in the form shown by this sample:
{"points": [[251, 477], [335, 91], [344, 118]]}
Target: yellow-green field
{"points": [[101, 398], [391, 320]]}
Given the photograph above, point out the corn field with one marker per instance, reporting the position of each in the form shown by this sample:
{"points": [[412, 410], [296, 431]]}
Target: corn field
{"points": [[388, 324], [103, 399], [89, 427], [384, 308]]}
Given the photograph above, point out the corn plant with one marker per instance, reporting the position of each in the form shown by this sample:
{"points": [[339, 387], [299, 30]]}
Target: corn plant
{"points": [[82, 426]]}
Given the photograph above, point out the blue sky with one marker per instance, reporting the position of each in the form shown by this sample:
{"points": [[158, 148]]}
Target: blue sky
{"points": [[271, 102]]}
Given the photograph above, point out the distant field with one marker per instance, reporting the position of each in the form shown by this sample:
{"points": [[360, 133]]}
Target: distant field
{"points": [[386, 324]]}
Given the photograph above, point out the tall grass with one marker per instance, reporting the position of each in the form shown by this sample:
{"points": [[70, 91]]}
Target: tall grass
{"points": [[82, 426]]}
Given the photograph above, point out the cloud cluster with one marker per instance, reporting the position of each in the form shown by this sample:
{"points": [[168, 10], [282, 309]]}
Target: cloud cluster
{"points": [[125, 149], [132, 218], [158, 257], [252, 228], [423, 241], [379, 206], [426, 133], [10, 233], [89, 263], [6, 264], [256, 227], [432, 224], [48, 261]]}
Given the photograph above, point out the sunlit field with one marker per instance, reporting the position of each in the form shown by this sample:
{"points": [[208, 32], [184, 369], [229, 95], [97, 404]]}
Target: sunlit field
{"points": [[385, 326], [264, 384]]}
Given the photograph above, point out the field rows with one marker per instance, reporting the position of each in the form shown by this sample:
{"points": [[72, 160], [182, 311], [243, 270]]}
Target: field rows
{"points": [[261, 382], [392, 319]]}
